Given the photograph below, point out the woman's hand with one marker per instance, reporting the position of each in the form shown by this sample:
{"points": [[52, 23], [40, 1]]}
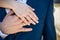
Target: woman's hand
{"points": [[25, 13], [12, 24]]}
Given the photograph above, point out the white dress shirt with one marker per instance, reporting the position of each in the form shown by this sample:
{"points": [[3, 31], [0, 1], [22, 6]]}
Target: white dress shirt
{"points": [[7, 10]]}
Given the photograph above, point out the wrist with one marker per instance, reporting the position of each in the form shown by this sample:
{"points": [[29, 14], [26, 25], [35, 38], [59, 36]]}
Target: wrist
{"points": [[6, 4], [1, 32]]}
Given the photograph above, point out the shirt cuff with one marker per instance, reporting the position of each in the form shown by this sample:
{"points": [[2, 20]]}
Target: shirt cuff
{"points": [[3, 35]]}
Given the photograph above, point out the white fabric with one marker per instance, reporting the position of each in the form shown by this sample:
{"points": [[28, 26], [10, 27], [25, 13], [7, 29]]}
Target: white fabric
{"points": [[22, 1], [2, 35], [7, 10]]}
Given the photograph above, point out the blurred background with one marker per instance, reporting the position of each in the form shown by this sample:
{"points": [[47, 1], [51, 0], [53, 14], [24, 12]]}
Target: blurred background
{"points": [[57, 17]]}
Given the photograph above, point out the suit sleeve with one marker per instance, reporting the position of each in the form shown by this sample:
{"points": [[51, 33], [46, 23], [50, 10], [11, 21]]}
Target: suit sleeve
{"points": [[49, 28]]}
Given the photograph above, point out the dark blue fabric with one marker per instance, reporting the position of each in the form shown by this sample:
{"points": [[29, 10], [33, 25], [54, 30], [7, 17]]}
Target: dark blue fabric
{"points": [[2, 14], [45, 27], [1, 38]]}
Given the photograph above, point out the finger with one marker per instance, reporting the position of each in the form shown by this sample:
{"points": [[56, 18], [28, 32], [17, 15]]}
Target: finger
{"points": [[10, 13], [31, 12], [19, 23], [25, 29], [33, 18], [24, 20], [23, 24], [31, 8], [22, 30], [30, 20]]}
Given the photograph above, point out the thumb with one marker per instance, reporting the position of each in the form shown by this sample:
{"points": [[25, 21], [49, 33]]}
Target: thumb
{"points": [[9, 13]]}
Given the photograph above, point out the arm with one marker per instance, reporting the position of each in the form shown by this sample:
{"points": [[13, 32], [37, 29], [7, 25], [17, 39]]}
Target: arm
{"points": [[5, 4]]}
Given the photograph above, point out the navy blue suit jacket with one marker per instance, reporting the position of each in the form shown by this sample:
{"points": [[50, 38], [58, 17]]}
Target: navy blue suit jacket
{"points": [[45, 27]]}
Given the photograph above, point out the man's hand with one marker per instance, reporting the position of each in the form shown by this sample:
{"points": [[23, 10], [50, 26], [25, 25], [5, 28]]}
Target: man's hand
{"points": [[12, 24]]}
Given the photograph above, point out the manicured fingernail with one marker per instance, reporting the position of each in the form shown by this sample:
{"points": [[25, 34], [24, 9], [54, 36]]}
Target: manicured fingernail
{"points": [[33, 9], [37, 22], [34, 23], [37, 18]]}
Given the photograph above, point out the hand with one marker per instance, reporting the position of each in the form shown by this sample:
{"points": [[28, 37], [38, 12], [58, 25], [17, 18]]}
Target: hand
{"points": [[25, 12], [12, 24]]}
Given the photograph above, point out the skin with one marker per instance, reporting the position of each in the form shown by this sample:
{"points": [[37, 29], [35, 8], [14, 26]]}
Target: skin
{"points": [[9, 26], [23, 11]]}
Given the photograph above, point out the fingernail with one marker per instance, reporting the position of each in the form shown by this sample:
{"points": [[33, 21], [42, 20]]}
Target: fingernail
{"points": [[37, 18], [33, 9], [37, 22], [34, 23], [31, 29]]}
